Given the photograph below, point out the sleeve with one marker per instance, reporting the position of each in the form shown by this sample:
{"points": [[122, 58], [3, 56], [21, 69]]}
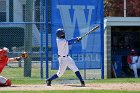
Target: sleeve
{"points": [[129, 59], [72, 41]]}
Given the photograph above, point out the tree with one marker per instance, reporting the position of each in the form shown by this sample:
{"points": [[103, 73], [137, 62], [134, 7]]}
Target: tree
{"points": [[116, 8], [133, 8]]}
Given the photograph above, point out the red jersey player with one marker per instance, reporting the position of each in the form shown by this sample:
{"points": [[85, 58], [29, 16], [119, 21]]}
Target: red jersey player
{"points": [[132, 60], [3, 61]]}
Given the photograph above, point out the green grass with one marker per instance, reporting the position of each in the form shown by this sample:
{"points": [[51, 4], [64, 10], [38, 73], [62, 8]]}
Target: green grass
{"points": [[115, 80], [16, 75], [42, 81], [72, 91]]}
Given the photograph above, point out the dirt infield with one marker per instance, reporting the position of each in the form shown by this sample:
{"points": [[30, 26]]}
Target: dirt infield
{"points": [[99, 86]]}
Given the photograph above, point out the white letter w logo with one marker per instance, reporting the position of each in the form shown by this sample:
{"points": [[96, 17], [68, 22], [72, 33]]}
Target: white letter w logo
{"points": [[69, 19]]}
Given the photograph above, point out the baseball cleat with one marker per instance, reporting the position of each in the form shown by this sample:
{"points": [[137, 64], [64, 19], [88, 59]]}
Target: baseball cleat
{"points": [[82, 84], [48, 82]]}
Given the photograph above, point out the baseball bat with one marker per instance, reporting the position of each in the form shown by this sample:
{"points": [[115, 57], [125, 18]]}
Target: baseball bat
{"points": [[90, 31]]}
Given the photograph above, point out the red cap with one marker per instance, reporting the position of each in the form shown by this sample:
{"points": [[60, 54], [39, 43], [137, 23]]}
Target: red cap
{"points": [[133, 51]]}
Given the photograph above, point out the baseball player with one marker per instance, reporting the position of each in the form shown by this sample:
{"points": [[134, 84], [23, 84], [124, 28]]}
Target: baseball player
{"points": [[3, 61], [64, 59], [132, 59]]}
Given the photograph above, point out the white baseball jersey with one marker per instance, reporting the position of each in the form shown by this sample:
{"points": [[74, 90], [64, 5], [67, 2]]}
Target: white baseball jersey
{"points": [[64, 60], [62, 46], [133, 66]]}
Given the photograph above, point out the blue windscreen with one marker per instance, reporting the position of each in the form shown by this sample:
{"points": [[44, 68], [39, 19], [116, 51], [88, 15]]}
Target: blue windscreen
{"points": [[77, 17]]}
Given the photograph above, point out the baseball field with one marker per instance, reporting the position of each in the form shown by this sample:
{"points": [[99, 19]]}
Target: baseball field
{"points": [[34, 84]]}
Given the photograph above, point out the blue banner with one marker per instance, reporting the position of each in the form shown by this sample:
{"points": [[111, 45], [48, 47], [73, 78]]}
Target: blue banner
{"points": [[78, 17]]}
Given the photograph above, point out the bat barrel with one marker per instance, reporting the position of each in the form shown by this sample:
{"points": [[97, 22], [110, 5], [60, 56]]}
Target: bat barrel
{"points": [[92, 30]]}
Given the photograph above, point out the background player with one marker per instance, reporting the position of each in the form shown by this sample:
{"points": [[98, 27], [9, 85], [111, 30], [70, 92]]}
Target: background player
{"points": [[132, 59], [3, 61], [64, 59]]}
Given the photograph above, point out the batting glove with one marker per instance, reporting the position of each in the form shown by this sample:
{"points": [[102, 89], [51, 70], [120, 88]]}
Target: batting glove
{"points": [[79, 38]]}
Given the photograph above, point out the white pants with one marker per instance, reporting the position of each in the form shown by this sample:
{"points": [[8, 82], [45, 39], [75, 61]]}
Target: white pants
{"points": [[134, 68], [65, 62], [2, 80]]}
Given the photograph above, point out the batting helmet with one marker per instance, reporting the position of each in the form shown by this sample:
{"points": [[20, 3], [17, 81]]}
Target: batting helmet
{"points": [[60, 33], [6, 49]]}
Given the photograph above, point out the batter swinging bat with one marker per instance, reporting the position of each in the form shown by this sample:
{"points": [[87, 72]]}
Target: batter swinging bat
{"points": [[90, 31]]}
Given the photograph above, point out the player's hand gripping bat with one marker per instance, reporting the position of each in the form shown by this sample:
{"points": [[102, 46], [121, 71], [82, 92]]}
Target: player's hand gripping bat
{"points": [[90, 31]]}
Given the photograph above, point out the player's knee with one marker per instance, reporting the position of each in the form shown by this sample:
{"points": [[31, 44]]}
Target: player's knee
{"points": [[59, 74], [7, 83]]}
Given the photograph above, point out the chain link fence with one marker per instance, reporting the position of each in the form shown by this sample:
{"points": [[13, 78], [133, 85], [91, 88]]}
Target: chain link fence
{"points": [[23, 28], [54, 22]]}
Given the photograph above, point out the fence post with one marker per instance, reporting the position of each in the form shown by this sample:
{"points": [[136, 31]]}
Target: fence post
{"points": [[41, 39], [28, 37], [47, 70]]}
